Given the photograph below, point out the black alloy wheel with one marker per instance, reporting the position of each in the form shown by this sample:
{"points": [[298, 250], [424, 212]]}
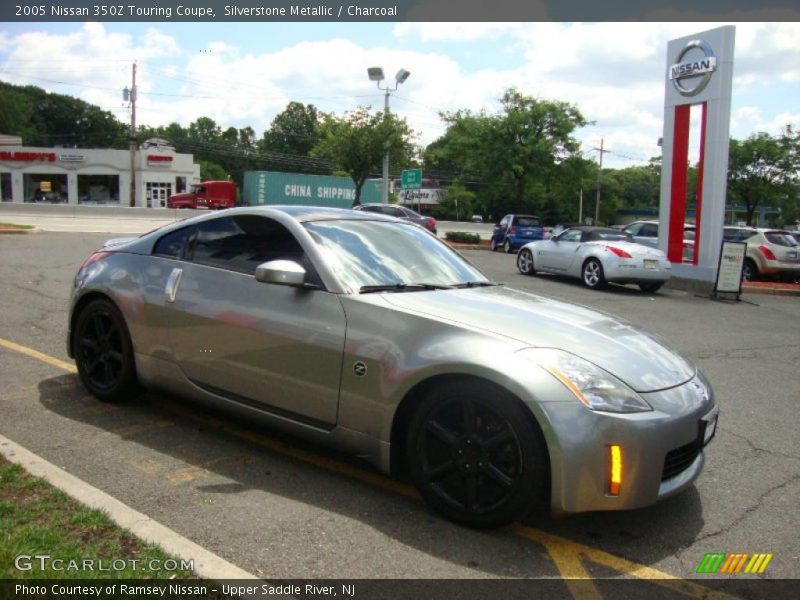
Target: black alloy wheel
{"points": [[104, 353], [749, 270], [475, 455]]}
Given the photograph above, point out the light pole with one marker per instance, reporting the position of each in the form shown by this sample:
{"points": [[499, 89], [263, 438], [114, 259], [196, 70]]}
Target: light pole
{"points": [[376, 74]]}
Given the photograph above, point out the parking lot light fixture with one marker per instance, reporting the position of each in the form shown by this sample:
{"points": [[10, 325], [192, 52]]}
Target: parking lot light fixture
{"points": [[376, 74]]}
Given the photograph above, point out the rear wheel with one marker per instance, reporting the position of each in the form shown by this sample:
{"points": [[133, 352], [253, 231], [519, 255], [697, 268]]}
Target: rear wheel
{"points": [[593, 276], [104, 353], [749, 270], [525, 262], [475, 454], [507, 248], [651, 287]]}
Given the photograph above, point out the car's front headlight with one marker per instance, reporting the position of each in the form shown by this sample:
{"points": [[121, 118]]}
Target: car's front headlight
{"points": [[596, 388]]}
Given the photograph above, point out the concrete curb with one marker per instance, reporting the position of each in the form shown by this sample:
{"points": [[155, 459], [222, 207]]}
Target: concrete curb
{"points": [[13, 231], [206, 564], [772, 291]]}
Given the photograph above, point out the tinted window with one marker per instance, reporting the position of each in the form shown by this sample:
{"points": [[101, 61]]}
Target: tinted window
{"points": [[527, 221], [737, 235], [633, 229], [376, 209], [649, 230], [172, 244], [779, 238], [410, 213], [244, 242]]}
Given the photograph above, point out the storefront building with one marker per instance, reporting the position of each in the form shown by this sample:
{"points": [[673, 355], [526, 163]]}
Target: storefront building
{"points": [[95, 176]]}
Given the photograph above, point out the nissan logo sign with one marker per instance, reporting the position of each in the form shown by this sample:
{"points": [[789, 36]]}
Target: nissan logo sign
{"points": [[698, 71]]}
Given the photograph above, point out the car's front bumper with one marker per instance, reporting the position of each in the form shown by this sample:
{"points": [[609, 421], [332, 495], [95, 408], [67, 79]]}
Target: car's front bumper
{"points": [[662, 451]]}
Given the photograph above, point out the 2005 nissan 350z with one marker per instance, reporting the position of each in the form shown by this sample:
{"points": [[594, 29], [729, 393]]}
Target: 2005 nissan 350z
{"points": [[369, 334]]}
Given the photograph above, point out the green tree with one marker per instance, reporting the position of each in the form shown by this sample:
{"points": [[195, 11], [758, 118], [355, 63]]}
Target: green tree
{"points": [[764, 168], [357, 142], [518, 149], [456, 204], [294, 131], [211, 171]]}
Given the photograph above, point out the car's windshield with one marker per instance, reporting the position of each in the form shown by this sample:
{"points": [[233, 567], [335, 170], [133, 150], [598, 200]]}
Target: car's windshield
{"points": [[370, 253]]}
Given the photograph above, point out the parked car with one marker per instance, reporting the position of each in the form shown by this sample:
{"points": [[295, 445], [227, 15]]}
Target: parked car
{"points": [[770, 252], [477, 219], [369, 334], [596, 256], [400, 212], [646, 233], [514, 231]]}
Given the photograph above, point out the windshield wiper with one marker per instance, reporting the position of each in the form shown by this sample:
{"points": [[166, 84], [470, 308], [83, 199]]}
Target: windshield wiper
{"points": [[472, 284], [403, 287]]}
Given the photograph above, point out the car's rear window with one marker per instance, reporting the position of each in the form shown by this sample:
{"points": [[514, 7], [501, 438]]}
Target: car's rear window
{"points": [[779, 238], [609, 236], [527, 222]]}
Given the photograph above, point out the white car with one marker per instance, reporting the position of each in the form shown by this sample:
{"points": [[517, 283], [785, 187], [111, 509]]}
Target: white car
{"points": [[597, 256]]}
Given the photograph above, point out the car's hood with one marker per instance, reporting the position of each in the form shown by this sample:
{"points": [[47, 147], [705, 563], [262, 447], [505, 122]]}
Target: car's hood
{"points": [[639, 359]]}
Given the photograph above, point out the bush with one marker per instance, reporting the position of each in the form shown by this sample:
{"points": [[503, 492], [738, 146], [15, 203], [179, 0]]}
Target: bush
{"points": [[462, 237]]}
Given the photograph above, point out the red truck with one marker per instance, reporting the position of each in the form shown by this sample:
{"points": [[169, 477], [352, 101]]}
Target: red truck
{"points": [[206, 194]]}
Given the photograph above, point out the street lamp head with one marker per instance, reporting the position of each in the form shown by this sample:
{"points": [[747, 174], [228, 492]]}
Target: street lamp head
{"points": [[375, 73], [401, 76]]}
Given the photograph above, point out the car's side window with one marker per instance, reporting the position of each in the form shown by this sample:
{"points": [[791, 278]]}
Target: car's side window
{"points": [[172, 245], [504, 221], [573, 235], [633, 229], [649, 230], [243, 242]]}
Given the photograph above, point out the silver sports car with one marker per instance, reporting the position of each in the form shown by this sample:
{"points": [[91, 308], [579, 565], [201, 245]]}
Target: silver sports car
{"points": [[596, 256], [369, 334]]}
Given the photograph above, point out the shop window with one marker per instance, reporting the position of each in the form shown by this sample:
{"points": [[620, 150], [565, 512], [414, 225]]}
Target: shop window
{"points": [[180, 185], [44, 187], [98, 189]]}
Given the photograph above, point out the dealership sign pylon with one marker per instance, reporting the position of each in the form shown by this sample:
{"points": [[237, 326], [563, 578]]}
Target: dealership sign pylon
{"points": [[699, 72]]}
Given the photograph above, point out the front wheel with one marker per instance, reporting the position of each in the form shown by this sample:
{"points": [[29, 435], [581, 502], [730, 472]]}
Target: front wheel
{"points": [[493, 245], [104, 353], [476, 455], [593, 276], [525, 262]]}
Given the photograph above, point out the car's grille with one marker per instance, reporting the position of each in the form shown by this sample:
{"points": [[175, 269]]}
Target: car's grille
{"points": [[680, 459]]}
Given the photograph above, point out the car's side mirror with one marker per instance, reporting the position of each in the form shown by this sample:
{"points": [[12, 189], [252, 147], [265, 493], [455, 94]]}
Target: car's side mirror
{"points": [[281, 272]]}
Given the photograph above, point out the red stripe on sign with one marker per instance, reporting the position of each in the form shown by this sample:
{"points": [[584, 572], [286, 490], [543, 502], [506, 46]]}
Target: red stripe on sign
{"points": [[677, 200], [698, 211]]}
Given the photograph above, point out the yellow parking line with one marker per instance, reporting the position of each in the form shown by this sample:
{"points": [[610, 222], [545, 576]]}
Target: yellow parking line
{"points": [[50, 360], [566, 554]]}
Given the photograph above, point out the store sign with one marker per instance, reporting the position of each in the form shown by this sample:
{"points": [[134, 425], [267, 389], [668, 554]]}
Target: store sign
{"points": [[71, 157], [29, 156], [701, 68], [729, 272], [154, 160]]}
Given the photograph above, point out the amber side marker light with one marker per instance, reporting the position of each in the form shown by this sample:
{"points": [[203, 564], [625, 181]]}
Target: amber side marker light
{"points": [[615, 473]]}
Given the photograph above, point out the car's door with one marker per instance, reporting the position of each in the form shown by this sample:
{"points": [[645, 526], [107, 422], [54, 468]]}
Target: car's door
{"points": [[272, 346], [499, 231], [562, 249]]}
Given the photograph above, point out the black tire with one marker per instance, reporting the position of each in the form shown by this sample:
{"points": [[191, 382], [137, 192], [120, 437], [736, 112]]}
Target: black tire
{"points": [[476, 455], [493, 245], [525, 262], [749, 270], [651, 287], [507, 247], [592, 274], [104, 353]]}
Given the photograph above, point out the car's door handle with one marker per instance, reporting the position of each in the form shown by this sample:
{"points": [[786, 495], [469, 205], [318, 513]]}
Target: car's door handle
{"points": [[174, 279]]}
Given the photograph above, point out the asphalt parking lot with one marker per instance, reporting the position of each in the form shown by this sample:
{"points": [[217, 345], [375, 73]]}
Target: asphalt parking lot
{"points": [[281, 508]]}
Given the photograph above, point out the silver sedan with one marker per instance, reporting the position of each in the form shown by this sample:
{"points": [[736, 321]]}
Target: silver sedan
{"points": [[596, 256], [371, 335]]}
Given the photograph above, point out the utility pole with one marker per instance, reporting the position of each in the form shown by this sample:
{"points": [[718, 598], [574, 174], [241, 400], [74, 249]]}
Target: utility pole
{"points": [[132, 138], [599, 173]]}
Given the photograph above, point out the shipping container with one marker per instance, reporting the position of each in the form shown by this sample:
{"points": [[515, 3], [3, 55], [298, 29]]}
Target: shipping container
{"points": [[271, 187]]}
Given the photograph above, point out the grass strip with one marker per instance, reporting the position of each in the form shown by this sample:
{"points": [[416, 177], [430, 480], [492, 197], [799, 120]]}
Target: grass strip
{"points": [[37, 519]]}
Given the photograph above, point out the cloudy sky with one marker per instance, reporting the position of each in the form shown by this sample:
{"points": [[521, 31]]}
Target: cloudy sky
{"points": [[243, 74]]}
